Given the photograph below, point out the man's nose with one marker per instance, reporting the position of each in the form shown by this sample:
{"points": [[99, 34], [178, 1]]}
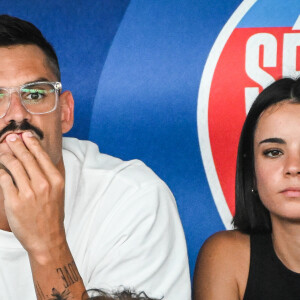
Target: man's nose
{"points": [[16, 111]]}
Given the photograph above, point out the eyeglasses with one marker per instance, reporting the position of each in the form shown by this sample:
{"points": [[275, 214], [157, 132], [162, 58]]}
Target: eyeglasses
{"points": [[38, 98]]}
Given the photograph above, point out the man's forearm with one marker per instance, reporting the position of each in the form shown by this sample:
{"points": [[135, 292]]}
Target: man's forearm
{"points": [[56, 276]]}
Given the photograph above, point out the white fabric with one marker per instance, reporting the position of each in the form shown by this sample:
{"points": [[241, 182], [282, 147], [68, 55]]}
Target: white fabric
{"points": [[122, 227]]}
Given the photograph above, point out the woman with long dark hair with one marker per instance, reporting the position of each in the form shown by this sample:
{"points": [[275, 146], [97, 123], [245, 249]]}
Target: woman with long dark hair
{"points": [[260, 259]]}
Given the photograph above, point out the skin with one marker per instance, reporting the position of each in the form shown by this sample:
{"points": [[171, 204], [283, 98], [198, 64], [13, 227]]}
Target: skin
{"points": [[277, 167], [33, 207], [277, 171]]}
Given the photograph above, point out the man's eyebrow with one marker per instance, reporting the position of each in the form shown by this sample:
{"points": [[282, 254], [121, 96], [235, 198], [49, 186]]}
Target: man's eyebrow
{"points": [[273, 140], [38, 79]]}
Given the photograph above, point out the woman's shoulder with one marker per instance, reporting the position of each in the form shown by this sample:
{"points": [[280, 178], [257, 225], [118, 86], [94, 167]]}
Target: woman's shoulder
{"points": [[226, 253], [225, 249], [233, 240]]}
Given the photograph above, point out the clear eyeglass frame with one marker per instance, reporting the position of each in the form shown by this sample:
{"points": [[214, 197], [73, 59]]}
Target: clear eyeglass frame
{"points": [[57, 86]]}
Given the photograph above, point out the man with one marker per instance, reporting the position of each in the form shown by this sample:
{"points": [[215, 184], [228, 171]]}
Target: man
{"points": [[71, 218]]}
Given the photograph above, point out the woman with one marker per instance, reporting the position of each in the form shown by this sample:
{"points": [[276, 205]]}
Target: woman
{"points": [[261, 258]]}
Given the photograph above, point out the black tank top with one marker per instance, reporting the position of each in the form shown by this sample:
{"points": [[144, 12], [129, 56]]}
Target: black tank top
{"points": [[268, 278]]}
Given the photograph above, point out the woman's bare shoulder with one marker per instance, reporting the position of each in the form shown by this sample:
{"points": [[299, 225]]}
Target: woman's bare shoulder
{"points": [[227, 240], [226, 252], [225, 248]]}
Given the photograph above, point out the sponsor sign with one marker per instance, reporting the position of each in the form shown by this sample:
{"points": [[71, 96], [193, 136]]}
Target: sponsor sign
{"points": [[253, 49]]}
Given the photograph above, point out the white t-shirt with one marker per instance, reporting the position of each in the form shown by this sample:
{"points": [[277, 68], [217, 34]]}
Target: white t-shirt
{"points": [[122, 227]]}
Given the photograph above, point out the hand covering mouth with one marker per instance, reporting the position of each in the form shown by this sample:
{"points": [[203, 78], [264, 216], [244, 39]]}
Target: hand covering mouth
{"points": [[13, 127], [19, 133]]}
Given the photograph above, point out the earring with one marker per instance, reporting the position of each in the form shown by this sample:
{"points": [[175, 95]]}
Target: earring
{"points": [[254, 191]]}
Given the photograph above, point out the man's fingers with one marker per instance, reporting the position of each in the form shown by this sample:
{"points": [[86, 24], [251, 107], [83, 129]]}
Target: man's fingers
{"points": [[42, 158], [2, 167], [6, 183], [11, 166], [24, 156], [35, 160], [38, 152]]}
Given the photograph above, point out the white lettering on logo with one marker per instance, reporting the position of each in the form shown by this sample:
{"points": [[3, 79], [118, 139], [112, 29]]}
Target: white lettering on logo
{"points": [[291, 41], [253, 70]]}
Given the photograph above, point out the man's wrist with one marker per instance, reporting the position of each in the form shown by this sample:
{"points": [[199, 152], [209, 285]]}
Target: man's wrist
{"points": [[52, 253]]}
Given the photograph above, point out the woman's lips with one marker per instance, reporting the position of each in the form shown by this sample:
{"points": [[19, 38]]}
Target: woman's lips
{"points": [[291, 192]]}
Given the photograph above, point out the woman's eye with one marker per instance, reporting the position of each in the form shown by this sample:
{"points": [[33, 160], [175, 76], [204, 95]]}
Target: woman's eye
{"points": [[273, 153]]}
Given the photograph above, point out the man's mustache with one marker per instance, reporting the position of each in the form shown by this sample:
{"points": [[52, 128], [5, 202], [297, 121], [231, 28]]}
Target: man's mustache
{"points": [[24, 125]]}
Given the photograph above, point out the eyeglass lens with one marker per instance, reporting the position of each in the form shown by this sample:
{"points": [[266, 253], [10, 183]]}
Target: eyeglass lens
{"points": [[36, 97]]}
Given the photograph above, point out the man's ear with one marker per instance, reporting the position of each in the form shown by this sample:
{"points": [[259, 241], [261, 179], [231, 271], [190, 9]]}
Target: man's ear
{"points": [[66, 111]]}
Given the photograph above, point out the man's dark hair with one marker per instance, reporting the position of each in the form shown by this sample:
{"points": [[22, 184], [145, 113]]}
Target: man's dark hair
{"points": [[123, 294], [14, 31], [250, 214]]}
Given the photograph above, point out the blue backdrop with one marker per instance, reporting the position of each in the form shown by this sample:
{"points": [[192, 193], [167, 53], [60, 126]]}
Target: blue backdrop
{"points": [[135, 69]]}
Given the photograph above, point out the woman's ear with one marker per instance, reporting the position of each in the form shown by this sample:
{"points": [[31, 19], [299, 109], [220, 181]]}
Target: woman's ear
{"points": [[67, 111]]}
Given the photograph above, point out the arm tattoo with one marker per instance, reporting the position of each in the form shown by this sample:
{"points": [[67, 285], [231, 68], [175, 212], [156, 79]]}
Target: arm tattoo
{"points": [[39, 292], [54, 296], [69, 274], [59, 296]]}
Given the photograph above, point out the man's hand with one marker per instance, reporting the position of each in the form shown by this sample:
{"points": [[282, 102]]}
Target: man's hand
{"points": [[34, 205]]}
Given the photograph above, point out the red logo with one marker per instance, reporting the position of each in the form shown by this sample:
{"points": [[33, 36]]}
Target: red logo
{"points": [[241, 63]]}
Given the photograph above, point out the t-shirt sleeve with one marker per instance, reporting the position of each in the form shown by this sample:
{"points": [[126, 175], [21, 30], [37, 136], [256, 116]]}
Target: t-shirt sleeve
{"points": [[139, 244]]}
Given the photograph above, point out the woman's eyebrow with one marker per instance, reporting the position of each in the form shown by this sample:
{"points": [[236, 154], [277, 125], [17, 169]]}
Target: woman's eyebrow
{"points": [[273, 140]]}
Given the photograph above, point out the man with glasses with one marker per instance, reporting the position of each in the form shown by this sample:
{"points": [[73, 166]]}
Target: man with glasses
{"points": [[70, 217]]}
